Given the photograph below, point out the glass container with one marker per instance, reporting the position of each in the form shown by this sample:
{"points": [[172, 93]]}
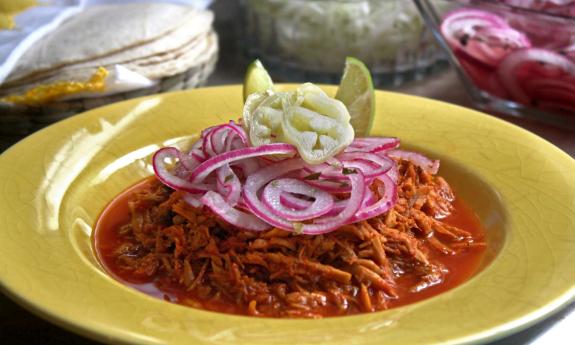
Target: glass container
{"points": [[308, 40], [513, 57]]}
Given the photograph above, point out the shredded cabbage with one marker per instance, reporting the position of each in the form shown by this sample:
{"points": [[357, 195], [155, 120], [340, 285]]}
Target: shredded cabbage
{"points": [[320, 34]]}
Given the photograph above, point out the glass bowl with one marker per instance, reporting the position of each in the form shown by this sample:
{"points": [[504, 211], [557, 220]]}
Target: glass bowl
{"points": [[513, 57], [308, 40]]}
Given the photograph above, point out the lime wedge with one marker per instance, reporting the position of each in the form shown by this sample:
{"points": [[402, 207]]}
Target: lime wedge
{"points": [[257, 79], [356, 92]]}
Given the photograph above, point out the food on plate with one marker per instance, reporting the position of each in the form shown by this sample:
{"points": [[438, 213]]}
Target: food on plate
{"points": [[268, 226], [355, 92]]}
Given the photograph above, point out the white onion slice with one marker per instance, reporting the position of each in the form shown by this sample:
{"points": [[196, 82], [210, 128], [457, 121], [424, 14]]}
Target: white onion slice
{"points": [[202, 171], [218, 205], [171, 180], [272, 196], [257, 181]]}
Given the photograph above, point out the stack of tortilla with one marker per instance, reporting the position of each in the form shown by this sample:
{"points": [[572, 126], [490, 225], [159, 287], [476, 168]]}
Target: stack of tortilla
{"points": [[167, 46]]}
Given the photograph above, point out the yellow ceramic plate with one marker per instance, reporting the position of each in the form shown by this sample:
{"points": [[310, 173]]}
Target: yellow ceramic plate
{"points": [[54, 184]]}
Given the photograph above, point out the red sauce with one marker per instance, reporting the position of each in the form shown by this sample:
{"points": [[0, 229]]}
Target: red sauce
{"points": [[461, 266], [106, 239]]}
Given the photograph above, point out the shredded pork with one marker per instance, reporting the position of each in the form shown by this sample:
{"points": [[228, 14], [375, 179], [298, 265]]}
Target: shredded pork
{"points": [[275, 273]]}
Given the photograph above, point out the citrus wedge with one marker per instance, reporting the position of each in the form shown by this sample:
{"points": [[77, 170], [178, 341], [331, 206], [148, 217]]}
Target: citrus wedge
{"points": [[356, 92], [257, 79]]}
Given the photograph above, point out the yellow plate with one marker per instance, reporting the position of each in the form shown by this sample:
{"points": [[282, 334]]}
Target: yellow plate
{"points": [[55, 183]]}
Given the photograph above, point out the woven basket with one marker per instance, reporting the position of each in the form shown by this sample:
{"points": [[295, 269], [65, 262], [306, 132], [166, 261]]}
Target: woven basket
{"points": [[16, 122]]}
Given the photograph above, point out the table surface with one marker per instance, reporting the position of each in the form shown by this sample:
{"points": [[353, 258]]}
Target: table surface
{"points": [[18, 326]]}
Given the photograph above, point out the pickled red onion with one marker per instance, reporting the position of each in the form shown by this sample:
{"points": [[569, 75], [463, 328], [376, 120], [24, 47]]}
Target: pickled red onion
{"points": [[544, 64], [322, 201], [233, 216], [247, 189], [495, 51]]}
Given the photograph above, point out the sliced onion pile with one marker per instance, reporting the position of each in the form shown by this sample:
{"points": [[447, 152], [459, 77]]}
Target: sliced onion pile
{"points": [[515, 56], [247, 189]]}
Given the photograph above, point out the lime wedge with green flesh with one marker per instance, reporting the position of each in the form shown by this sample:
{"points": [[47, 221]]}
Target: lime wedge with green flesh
{"points": [[356, 92], [257, 79]]}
